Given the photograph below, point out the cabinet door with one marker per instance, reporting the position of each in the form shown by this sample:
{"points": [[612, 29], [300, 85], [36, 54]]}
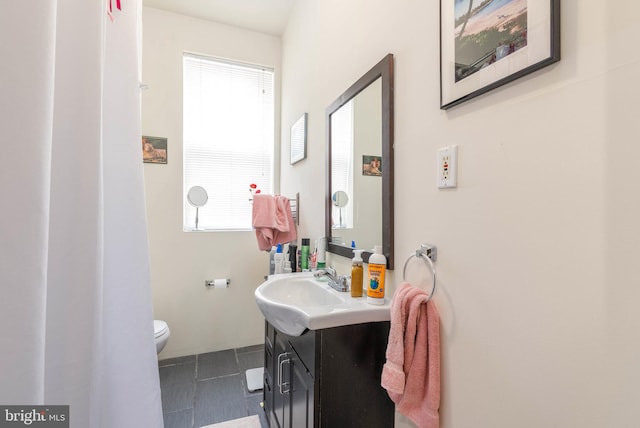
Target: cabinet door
{"points": [[269, 359], [281, 413], [301, 394]]}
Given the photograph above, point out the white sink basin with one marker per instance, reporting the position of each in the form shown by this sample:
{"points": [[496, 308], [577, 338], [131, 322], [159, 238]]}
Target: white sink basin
{"points": [[295, 302]]}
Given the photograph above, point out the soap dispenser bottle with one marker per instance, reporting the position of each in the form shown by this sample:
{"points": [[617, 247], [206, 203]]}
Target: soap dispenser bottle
{"points": [[356, 274], [377, 271], [278, 259]]}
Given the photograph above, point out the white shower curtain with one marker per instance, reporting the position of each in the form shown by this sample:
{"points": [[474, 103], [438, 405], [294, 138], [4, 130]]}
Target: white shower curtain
{"points": [[76, 323]]}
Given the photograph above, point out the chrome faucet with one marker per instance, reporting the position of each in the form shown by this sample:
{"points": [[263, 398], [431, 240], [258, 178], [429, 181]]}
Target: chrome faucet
{"points": [[337, 282]]}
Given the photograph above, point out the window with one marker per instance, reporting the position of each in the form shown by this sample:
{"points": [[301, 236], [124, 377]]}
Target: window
{"points": [[228, 139]]}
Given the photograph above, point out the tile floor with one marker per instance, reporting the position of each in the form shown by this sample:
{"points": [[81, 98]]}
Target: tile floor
{"points": [[199, 390]]}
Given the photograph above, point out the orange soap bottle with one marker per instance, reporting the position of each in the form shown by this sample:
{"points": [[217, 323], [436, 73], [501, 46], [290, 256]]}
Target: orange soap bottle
{"points": [[356, 274]]}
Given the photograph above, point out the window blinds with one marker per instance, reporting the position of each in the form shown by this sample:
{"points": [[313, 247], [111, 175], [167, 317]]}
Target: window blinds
{"points": [[228, 139]]}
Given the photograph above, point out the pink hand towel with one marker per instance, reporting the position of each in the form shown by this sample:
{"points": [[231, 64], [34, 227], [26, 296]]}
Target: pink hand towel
{"points": [[272, 220], [411, 374], [393, 375], [264, 213], [282, 235]]}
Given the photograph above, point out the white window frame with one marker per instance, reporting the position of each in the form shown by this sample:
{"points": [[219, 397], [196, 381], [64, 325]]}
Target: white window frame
{"points": [[228, 139]]}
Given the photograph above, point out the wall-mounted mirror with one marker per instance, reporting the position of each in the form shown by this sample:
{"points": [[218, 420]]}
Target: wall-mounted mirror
{"points": [[359, 132]]}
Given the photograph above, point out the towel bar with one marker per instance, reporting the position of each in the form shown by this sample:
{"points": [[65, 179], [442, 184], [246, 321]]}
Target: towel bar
{"points": [[429, 254], [295, 208]]}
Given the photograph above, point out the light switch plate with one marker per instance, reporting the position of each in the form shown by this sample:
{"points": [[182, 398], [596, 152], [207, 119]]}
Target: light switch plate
{"points": [[447, 167]]}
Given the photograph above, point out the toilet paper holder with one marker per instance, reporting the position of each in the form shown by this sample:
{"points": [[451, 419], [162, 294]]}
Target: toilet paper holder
{"points": [[211, 283]]}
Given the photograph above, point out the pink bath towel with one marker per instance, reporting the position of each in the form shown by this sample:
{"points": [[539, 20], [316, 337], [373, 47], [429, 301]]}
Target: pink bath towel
{"points": [[272, 220], [411, 374]]}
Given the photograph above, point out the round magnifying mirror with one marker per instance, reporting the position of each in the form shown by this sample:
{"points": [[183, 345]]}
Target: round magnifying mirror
{"points": [[197, 196], [340, 198]]}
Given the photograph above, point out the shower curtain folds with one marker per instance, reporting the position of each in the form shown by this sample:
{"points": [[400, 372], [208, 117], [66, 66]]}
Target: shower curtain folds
{"points": [[74, 263]]}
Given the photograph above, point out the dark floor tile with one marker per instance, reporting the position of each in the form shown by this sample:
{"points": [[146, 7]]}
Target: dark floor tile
{"points": [[250, 360], [219, 400], [177, 360], [177, 374], [252, 348], [216, 364], [179, 419], [254, 408], [179, 396], [210, 388]]}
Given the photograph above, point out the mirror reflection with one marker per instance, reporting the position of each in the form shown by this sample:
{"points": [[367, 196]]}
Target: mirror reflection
{"points": [[360, 165], [340, 200], [356, 171]]}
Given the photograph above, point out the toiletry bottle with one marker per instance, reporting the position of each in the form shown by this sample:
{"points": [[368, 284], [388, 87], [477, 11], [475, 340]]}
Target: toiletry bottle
{"points": [[287, 266], [322, 251], [377, 271], [356, 274], [304, 255], [278, 259], [272, 266], [293, 256], [313, 258]]}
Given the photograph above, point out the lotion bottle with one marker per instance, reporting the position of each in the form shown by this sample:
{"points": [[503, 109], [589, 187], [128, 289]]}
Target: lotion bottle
{"points": [[278, 259], [356, 274], [377, 271]]}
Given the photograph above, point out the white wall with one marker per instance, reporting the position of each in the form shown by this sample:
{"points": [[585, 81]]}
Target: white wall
{"points": [[538, 245], [200, 319]]}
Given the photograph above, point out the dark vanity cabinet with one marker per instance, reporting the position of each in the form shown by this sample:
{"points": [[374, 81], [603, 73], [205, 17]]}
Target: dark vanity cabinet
{"points": [[327, 378]]}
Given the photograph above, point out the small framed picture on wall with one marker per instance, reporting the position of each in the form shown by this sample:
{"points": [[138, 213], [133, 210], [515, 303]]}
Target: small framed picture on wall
{"points": [[372, 165], [154, 150]]}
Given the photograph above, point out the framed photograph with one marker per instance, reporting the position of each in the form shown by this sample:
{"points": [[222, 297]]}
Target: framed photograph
{"points": [[485, 44], [154, 150], [372, 165], [299, 139]]}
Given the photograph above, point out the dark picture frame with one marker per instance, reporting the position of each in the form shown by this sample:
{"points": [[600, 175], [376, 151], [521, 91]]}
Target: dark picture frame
{"points": [[485, 44], [154, 150]]}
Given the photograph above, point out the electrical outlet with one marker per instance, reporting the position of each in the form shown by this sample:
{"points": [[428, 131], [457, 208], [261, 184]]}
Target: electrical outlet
{"points": [[447, 167]]}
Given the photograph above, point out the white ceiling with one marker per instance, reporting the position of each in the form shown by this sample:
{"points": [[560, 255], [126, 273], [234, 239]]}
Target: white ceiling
{"points": [[266, 16]]}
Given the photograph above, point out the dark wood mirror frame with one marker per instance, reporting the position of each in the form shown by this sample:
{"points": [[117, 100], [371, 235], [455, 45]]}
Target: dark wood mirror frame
{"points": [[383, 69]]}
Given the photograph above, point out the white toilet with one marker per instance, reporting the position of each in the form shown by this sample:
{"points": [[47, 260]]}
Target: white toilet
{"points": [[161, 333]]}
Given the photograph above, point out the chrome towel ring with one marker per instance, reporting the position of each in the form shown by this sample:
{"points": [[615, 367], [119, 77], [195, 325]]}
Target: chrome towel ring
{"points": [[429, 254]]}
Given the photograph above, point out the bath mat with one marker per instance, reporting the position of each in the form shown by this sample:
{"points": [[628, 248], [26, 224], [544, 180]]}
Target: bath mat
{"points": [[248, 422]]}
